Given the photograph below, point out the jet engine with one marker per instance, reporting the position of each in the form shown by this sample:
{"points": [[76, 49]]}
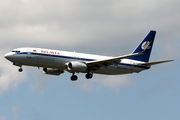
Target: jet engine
{"points": [[76, 67], [52, 71]]}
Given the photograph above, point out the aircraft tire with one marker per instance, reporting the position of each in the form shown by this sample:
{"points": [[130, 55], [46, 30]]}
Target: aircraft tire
{"points": [[89, 75], [20, 70], [74, 78]]}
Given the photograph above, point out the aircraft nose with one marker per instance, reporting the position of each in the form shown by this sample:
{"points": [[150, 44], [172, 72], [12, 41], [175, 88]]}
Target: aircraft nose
{"points": [[8, 56]]}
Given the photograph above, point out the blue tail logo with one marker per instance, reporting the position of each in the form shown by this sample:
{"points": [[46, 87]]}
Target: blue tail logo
{"points": [[146, 44]]}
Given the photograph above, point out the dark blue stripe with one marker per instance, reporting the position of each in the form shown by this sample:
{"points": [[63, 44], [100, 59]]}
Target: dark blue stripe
{"points": [[85, 59], [144, 67], [59, 56]]}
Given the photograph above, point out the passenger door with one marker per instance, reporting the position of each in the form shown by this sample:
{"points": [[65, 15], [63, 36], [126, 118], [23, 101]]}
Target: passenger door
{"points": [[28, 53]]}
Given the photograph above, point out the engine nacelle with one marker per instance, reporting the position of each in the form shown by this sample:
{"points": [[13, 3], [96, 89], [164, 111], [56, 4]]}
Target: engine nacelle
{"points": [[76, 67], [52, 71]]}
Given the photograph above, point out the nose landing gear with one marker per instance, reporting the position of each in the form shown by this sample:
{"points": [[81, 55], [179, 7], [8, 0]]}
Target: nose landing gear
{"points": [[19, 65], [20, 69]]}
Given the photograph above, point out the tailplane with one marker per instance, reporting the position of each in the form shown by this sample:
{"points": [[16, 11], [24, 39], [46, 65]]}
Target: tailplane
{"points": [[155, 63], [145, 45]]}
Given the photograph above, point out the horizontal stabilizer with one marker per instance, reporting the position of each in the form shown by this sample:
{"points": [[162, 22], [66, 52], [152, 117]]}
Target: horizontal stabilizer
{"points": [[154, 63]]}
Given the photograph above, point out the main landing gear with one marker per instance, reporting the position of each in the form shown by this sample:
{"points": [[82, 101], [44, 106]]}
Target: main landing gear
{"points": [[74, 77], [88, 76]]}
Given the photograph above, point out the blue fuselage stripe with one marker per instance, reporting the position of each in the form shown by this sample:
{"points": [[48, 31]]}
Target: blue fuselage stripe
{"points": [[78, 58]]}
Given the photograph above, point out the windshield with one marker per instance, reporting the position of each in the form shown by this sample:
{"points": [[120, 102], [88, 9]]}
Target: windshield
{"points": [[16, 51]]}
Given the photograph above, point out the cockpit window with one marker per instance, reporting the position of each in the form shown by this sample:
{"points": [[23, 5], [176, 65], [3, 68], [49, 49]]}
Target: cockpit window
{"points": [[16, 51]]}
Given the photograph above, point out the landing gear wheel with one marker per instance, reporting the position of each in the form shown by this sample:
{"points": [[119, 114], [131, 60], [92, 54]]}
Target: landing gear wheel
{"points": [[74, 77], [89, 75], [20, 70]]}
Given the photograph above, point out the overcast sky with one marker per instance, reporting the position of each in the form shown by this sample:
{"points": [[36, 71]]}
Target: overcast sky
{"points": [[105, 27]]}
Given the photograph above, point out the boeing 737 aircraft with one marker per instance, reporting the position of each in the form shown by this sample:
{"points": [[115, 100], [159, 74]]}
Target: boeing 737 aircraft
{"points": [[55, 62]]}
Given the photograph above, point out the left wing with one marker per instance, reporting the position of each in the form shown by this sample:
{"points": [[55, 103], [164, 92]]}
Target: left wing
{"points": [[95, 65]]}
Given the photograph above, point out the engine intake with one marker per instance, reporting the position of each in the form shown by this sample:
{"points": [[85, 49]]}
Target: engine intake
{"points": [[52, 71], [76, 67]]}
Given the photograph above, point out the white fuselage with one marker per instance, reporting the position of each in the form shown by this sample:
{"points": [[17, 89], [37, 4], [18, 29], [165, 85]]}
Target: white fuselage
{"points": [[48, 58], [55, 62]]}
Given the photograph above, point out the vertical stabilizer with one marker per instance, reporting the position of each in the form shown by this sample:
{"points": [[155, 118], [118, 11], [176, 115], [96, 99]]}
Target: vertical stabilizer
{"points": [[147, 43]]}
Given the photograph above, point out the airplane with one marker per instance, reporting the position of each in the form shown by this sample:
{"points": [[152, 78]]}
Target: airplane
{"points": [[55, 62]]}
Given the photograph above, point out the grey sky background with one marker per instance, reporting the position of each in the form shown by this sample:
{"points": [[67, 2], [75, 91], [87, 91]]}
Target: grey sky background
{"points": [[78, 24], [110, 28], [105, 27]]}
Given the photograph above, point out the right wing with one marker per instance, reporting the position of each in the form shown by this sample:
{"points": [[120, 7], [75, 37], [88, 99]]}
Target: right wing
{"points": [[95, 65]]}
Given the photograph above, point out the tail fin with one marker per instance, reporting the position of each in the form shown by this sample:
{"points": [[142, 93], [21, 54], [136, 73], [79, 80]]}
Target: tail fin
{"points": [[147, 43]]}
